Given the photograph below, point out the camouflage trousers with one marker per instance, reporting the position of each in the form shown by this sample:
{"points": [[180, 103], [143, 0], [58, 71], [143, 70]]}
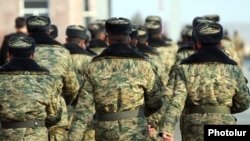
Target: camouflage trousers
{"points": [[58, 134], [90, 131]]}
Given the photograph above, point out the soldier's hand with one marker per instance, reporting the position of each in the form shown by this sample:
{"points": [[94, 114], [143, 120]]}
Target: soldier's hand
{"points": [[151, 130], [167, 137]]}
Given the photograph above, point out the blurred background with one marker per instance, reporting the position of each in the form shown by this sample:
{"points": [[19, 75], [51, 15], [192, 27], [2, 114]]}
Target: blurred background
{"points": [[175, 14]]}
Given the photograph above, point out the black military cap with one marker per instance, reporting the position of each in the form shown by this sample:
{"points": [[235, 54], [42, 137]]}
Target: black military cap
{"points": [[20, 46], [142, 33], [213, 17], [198, 20], [38, 24], [53, 31], [153, 24], [134, 33], [118, 26], [76, 31], [187, 31], [208, 33], [96, 27]]}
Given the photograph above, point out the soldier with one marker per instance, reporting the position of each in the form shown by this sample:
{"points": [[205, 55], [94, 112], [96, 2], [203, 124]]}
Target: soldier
{"points": [[21, 30], [166, 48], [29, 89], [53, 31], [75, 43], [209, 86], [239, 47], [186, 35], [228, 46], [121, 84], [133, 35], [155, 61], [52, 55], [98, 40]]}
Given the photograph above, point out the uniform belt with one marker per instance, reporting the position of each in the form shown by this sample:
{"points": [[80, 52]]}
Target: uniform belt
{"points": [[209, 109], [23, 124], [121, 115]]}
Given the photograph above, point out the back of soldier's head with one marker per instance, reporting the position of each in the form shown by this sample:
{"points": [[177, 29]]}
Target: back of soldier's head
{"points": [[118, 29], [186, 31], [96, 28], [208, 33], [76, 33], [20, 22], [38, 24], [142, 33], [133, 35], [20, 46], [153, 24]]}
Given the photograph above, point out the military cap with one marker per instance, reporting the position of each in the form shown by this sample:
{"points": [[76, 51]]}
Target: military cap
{"points": [[76, 31], [20, 46], [153, 18], [198, 20], [187, 31], [142, 33], [208, 33], [213, 17], [38, 24], [134, 33], [53, 31], [96, 27], [153, 24], [118, 26]]}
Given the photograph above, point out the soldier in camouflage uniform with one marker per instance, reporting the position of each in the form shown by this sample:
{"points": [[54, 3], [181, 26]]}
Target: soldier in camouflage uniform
{"points": [[228, 46], [98, 40], [166, 48], [75, 43], [120, 82], [52, 55], [154, 59], [30, 90], [239, 47], [208, 85]]}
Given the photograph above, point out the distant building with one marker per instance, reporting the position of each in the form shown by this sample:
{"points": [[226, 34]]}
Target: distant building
{"points": [[61, 12]]}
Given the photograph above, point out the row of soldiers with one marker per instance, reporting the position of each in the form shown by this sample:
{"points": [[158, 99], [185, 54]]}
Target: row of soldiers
{"points": [[127, 83]]}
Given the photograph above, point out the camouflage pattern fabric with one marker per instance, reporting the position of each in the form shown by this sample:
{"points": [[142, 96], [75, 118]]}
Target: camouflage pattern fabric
{"points": [[31, 96], [97, 50], [58, 60], [116, 84], [168, 57], [239, 47], [229, 49], [204, 84], [80, 62]]}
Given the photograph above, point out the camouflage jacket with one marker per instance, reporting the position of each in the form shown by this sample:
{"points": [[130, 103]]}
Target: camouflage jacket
{"points": [[229, 49], [167, 52], [208, 77], [184, 51], [30, 91], [52, 55], [117, 80], [80, 58]]}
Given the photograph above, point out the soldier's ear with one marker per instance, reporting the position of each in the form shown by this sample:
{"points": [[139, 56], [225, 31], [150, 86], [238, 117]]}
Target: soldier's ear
{"points": [[219, 45], [31, 56], [128, 40]]}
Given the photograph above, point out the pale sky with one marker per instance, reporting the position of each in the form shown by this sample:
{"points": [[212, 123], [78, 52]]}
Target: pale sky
{"points": [[176, 13]]}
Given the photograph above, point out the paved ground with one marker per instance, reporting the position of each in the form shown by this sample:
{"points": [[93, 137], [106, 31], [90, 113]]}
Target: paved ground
{"points": [[242, 118]]}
